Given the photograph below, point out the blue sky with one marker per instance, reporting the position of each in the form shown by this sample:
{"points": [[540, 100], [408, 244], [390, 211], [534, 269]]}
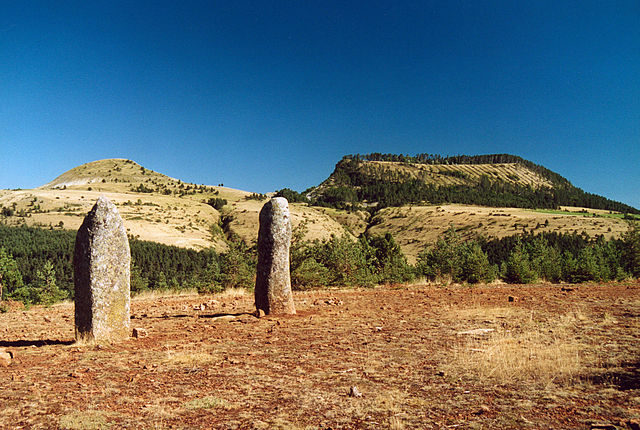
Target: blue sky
{"points": [[261, 95]]}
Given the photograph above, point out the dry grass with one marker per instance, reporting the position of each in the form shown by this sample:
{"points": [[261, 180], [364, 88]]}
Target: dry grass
{"points": [[540, 349], [189, 357], [208, 402], [156, 294], [509, 358], [554, 359], [234, 292], [86, 420]]}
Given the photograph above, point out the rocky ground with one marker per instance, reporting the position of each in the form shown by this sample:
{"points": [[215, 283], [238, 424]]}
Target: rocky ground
{"points": [[422, 356]]}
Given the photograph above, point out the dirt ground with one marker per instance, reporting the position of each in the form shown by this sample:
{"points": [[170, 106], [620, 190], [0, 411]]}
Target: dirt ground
{"points": [[420, 356]]}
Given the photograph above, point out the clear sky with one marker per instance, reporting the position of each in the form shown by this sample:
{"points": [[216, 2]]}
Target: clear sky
{"points": [[261, 95]]}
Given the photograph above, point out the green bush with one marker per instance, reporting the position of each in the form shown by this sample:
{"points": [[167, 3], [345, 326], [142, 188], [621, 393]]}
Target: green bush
{"points": [[474, 265], [10, 277], [217, 203], [237, 267], [517, 269], [308, 274], [631, 249], [386, 260], [291, 196], [545, 260], [461, 261]]}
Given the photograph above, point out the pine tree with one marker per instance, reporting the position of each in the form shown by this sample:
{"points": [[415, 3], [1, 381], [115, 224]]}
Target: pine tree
{"points": [[631, 249]]}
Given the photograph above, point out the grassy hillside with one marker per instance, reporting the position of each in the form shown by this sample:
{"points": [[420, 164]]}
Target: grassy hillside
{"points": [[165, 210], [154, 207], [415, 227], [499, 180]]}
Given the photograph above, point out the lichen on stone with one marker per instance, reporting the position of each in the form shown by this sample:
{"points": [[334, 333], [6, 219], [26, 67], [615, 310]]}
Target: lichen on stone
{"points": [[102, 261]]}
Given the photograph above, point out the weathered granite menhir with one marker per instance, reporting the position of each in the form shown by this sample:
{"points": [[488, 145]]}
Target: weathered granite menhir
{"points": [[101, 264], [273, 280]]}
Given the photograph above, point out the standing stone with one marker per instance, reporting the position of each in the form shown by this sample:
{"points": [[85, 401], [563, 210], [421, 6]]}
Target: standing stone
{"points": [[101, 264], [273, 280]]}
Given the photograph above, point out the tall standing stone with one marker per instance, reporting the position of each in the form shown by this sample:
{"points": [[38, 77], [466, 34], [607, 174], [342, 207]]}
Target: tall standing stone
{"points": [[273, 280], [101, 264]]}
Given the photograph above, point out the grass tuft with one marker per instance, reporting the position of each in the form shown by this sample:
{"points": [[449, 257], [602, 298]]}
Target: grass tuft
{"points": [[208, 402], [85, 420]]}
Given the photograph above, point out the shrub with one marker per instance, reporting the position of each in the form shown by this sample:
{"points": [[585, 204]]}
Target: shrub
{"points": [[216, 203], [631, 249], [237, 267], [10, 277], [386, 259], [346, 262], [452, 258], [309, 273], [517, 269], [474, 265], [291, 196], [545, 260]]}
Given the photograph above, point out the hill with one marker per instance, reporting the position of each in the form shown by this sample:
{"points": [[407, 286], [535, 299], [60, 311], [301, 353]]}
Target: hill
{"points": [[155, 207], [165, 210], [498, 180]]}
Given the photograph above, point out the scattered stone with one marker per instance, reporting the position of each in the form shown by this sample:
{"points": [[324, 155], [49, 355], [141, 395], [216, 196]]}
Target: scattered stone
{"points": [[333, 301], [483, 409], [273, 281], [226, 318], [101, 263], [476, 332], [603, 426], [354, 392], [76, 375], [5, 358], [139, 333]]}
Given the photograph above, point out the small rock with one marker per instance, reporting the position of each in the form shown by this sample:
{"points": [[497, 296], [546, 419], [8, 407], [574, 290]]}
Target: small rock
{"points": [[47, 319], [603, 426], [440, 373], [513, 299], [477, 331], [483, 409], [5, 358], [354, 392], [139, 333], [259, 313]]}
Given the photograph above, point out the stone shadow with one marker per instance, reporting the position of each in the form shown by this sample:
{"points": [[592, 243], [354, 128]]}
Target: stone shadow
{"points": [[37, 343], [627, 378], [216, 315]]}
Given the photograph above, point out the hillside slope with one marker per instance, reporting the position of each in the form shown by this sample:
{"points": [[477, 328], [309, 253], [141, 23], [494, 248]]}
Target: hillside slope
{"points": [[154, 207], [497, 180], [158, 208]]}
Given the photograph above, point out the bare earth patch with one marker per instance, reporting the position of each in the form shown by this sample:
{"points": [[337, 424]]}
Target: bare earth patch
{"points": [[421, 356]]}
